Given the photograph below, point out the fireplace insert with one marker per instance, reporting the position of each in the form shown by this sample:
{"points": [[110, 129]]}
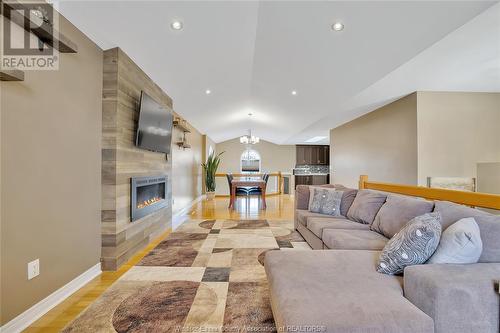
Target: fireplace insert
{"points": [[147, 194]]}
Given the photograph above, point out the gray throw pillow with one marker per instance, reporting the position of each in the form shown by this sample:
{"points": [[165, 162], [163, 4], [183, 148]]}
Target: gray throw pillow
{"points": [[311, 192], [365, 206], [412, 245], [397, 211], [326, 201], [347, 199], [489, 225], [345, 202], [460, 244]]}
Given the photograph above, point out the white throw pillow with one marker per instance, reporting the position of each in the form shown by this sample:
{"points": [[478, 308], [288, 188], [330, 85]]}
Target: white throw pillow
{"points": [[460, 244]]}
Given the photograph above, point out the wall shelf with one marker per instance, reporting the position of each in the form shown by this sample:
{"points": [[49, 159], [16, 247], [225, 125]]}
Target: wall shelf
{"points": [[179, 124], [11, 75], [183, 145], [53, 38]]}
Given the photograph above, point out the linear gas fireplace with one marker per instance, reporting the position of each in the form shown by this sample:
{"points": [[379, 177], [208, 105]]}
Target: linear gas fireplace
{"points": [[148, 194]]}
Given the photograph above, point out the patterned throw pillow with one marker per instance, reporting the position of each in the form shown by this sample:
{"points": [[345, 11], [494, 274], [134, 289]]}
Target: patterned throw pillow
{"points": [[412, 245], [326, 201]]}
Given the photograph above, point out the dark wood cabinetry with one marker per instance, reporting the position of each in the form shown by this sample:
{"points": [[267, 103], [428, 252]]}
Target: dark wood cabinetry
{"points": [[311, 180], [303, 180], [312, 155]]}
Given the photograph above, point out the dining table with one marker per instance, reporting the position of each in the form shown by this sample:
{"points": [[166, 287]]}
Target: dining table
{"points": [[248, 182]]}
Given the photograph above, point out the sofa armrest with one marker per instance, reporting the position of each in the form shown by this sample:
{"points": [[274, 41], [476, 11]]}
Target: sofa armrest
{"points": [[302, 197], [460, 298]]}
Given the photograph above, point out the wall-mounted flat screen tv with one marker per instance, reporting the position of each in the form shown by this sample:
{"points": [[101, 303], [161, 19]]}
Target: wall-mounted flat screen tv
{"points": [[154, 131]]}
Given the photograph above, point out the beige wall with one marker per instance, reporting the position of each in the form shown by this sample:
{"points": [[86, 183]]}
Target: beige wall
{"points": [[208, 144], [488, 180], [455, 132], [381, 144], [273, 158], [50, 165], [439, 134], [186, 169], [488, 177]]}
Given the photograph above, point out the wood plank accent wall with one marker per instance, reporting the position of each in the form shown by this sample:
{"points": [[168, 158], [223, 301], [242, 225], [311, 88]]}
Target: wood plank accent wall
{"points": [[123, 81]]}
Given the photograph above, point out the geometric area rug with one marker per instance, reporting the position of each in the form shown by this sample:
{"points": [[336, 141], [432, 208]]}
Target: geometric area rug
{"points": [[207, 276]]}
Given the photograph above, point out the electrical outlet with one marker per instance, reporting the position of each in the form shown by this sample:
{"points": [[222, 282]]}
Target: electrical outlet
{"points": [[33, 269]]}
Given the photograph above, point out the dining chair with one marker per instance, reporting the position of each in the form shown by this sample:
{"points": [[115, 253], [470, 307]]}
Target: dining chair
{"points": [[257, 190], [239, 190]]}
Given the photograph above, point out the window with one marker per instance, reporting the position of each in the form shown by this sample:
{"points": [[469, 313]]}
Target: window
{"points": [[210, 151], [250, 161]]}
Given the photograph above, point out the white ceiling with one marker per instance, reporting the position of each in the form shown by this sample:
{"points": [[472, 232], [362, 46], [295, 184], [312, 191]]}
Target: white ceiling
{"points": [[252, 54]]}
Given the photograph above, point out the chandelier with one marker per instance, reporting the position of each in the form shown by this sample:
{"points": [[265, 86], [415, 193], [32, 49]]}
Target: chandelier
{"points": [[249, 139]]}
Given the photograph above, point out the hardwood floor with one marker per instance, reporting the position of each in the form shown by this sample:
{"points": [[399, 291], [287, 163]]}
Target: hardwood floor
{"points": [[278, 207]]}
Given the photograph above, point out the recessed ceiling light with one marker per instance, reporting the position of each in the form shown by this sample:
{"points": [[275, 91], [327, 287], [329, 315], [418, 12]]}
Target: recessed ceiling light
{"points": [[176, 25], [208, 91], [338, 26], [294, 92]]}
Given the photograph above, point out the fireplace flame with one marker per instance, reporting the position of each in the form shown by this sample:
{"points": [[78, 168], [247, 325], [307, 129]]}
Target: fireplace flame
{"points": [[148, 202]]}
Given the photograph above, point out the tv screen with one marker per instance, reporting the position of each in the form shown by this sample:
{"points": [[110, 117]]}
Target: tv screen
{"points": [[154, 131]]}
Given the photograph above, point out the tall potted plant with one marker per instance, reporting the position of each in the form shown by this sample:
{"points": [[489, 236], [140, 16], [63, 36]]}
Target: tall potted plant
{"points": [[210, 169]]}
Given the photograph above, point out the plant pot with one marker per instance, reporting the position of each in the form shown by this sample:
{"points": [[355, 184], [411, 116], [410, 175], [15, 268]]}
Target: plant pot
{"points": [[210, 195]]}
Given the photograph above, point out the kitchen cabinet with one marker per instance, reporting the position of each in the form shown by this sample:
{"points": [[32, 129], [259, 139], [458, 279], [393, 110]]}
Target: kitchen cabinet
{"points": [[319, 179], [300, 155], [312, 155], [311, 180], [323, 155], [303, 180]]}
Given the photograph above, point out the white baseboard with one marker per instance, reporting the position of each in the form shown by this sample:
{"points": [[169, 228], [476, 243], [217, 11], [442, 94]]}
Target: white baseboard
{"points": [[180, 216], [39, 309]]}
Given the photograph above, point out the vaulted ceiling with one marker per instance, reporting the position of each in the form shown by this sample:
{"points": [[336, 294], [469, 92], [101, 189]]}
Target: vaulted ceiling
{"points": [[251, 55]]}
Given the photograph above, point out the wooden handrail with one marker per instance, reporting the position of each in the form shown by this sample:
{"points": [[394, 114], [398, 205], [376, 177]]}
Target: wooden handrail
{"points": [[483, 200]]}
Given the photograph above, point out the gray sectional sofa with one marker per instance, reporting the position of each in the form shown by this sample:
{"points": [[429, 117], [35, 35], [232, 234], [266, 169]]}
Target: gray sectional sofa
{"points": [[339, 290]]}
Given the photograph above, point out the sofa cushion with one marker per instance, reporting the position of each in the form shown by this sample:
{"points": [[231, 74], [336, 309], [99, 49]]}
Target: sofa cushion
{"points": [[302, 197], [452, 212], [339, 291], [318, 224], [347, 197], [489, 226], [461, 298], [303, 215], [365, 206], [460, 244], [314, 241], [338, 239], [397, 211], [412, 245], [325, 201]]}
